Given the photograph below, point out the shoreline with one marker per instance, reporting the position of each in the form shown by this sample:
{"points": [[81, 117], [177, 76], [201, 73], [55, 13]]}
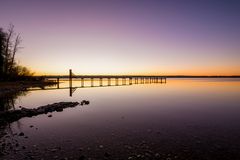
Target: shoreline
{"points": [[13, 87], [202, 76]]}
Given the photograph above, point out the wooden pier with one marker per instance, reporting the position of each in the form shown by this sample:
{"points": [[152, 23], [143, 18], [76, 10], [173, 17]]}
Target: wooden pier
{"points": [[110, 80], [130, 79]]}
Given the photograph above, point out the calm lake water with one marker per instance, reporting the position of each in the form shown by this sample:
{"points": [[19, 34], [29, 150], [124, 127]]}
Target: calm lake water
{"points": [[180, 119]]}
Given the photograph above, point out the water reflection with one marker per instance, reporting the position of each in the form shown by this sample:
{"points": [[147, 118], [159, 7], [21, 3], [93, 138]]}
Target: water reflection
{"points": [[7, 102], [184, 118], [100, 82]]}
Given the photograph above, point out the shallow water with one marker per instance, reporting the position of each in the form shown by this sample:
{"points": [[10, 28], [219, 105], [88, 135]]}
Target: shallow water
{"points": [[180, 119]]}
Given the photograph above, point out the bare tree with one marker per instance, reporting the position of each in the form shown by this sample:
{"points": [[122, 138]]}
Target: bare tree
{"points": [[2, 40], [8, 46], [15, 49]]}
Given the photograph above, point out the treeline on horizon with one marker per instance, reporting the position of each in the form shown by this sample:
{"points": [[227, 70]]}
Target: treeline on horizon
{"points": [[9, 46]]}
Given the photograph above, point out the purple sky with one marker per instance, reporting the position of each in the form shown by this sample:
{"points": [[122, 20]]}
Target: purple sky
{"points": [[127, 36]]}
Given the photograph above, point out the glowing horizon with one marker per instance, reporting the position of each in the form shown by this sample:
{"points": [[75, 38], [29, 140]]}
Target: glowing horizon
{"points": [[127, 37]]}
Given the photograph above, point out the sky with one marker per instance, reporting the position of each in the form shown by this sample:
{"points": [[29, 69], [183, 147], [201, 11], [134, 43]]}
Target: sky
{"points": [[170, 37]]}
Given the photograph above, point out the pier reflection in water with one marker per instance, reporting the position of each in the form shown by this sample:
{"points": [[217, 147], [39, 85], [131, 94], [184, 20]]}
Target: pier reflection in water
{"points": [[7, 102]]}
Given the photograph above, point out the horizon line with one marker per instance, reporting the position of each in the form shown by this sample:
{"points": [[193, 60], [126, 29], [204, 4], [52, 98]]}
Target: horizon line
{"points": [[177, 75]]}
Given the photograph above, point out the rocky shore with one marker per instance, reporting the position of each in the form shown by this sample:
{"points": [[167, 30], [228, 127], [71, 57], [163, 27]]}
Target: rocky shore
{"points": [[6, 143], [14, 115]]}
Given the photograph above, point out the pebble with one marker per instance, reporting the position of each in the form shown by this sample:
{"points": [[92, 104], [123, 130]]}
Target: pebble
{"points": [[21, 134], [53, 150], [157, 155], [139, 155]]}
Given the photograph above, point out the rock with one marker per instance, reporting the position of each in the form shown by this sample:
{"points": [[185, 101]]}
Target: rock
{"points": [[53, 150], [21, 134], [139, 155], [14, 115], [85, 102], [59, 109], [31, 126], [49, 115], [157, 155]]}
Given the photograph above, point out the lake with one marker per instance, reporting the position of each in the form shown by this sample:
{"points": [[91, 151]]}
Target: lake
{"points": [[180, 119]]}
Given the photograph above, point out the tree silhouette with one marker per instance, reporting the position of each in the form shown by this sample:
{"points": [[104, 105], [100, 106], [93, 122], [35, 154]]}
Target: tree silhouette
{"points": [[10, 44], [2, 39]]}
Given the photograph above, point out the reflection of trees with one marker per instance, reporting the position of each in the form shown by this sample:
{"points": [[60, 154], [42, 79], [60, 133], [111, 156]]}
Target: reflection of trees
{"points": [[7, 101]]}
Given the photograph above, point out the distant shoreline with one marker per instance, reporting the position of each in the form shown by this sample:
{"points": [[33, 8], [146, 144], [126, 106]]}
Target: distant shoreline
{"points": [[167, 76], [202, 76]]}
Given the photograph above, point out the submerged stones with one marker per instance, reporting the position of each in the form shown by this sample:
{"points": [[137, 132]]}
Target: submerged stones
{"points": [[85, 102], [14, 115]]}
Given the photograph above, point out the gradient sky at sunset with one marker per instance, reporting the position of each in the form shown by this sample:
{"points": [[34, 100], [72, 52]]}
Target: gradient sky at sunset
{"points": [[198, 37]]}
